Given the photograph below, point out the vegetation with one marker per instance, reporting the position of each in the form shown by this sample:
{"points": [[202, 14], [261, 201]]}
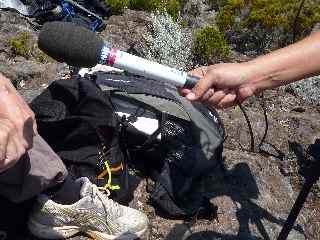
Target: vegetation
{"points": [[282, 13], [168, 44], [209, 43], [41, 57], [226, 16], [171, 6], [183, 23], [264, 25], [19, 45], [269, 14], [260, 25], [118, 5]]}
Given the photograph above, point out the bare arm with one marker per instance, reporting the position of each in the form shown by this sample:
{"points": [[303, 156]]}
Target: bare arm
{"points": [[287, 65], [222, 85]]}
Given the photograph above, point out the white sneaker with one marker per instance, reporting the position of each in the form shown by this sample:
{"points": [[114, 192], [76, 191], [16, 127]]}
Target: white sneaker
{"points": [[94, 214]]}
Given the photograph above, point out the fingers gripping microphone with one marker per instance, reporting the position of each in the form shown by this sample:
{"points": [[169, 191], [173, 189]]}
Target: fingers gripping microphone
{"points": [[77, 46]]}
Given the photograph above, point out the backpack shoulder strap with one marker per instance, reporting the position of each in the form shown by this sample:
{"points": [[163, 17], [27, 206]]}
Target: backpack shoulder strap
{"points": [[165, 98]]}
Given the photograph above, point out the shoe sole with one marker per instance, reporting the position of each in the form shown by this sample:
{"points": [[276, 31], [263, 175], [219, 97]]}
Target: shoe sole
{"points": [[45, 231]]}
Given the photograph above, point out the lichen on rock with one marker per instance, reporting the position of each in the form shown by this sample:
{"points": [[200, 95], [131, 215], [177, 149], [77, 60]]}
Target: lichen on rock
{"points": [[19, 44]]}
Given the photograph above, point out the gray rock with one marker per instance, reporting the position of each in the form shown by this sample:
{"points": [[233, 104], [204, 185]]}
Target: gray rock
{"points": [[128, 32], [284, 125], [27, 70], [253, 197], [18, 68], [33, 74], [198, 13], [308, 89], [29, 95], [11, 24], [253, 200]]}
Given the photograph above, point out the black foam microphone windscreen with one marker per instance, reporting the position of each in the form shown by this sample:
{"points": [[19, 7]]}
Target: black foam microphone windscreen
{"points": [[58, 39], [80, 47]]}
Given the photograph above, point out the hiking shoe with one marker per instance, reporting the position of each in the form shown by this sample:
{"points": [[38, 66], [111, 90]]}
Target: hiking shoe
{"points": [[94, 214]]}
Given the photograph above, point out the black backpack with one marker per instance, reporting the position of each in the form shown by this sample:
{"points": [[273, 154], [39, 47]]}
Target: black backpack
{"points": [[77, 120], [189, 148], [75, 117]]}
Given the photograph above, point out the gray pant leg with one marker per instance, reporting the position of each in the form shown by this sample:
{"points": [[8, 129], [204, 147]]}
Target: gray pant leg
{"points": [[35, 172]]}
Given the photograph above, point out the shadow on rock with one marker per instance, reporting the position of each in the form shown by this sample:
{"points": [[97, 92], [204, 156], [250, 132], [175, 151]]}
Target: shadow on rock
{"points": [[209, 235], [240, 185]]}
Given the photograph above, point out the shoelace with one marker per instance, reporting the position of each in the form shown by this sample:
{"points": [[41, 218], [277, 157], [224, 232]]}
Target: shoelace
{"points": [[110, 207], [108, 204]]}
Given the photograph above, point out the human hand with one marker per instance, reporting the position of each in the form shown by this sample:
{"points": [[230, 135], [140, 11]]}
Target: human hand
{"points": [[11, 146], [221, 85], [17, 124]]}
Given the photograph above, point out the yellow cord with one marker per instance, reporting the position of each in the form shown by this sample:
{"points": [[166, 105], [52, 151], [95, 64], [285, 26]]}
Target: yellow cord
{"points": [[109, 185]]}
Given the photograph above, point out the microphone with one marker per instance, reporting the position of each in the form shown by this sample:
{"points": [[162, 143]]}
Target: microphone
{"points": [[78, 46]]}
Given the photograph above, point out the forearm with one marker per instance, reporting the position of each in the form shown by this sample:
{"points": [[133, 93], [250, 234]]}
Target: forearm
{"points": [[286, 65]]}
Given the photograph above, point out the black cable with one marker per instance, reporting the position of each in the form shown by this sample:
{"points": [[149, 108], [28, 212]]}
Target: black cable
{"points": [[249, 126], [263, 106], [260, 150]]}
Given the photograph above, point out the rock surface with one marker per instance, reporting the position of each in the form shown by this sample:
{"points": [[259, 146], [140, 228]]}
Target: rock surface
{"points": [[254, 192], [25, 72], [198, 14], [128, 32]]}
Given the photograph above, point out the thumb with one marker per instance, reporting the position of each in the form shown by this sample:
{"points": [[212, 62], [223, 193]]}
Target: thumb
{"points": [[201, 87]]}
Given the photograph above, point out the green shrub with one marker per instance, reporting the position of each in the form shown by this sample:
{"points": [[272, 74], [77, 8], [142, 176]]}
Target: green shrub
{"points": [[226, 16], [183, 23], [309, 16], [210, 42], [282, 13], [173, 7], [41, 57], [144, 5], [268, 13], [19, 45], [265, 24], [118, 5]]}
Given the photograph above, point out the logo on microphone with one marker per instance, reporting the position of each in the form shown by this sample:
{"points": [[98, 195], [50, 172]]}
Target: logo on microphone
{"points": [[108, 56], [105, 54]]}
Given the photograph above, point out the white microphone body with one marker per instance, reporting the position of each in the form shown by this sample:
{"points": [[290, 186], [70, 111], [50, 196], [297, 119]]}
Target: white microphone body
{"points": [[143, 67]]}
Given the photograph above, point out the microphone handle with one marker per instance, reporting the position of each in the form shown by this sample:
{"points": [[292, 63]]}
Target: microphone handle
{"points": [[146, 68], [191, 81]]}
